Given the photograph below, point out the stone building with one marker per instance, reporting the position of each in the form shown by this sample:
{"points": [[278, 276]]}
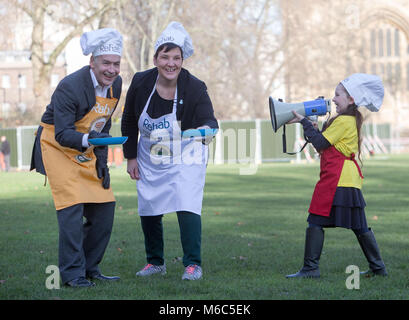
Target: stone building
{"points": [[16, 84], [345, 37]]}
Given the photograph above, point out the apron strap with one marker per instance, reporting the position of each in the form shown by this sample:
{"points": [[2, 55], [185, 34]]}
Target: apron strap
{"points": [[111, 93], [352, 157]]}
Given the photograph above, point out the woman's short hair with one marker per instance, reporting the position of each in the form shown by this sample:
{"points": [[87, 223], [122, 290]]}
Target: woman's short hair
{"points": [[167, 46]]}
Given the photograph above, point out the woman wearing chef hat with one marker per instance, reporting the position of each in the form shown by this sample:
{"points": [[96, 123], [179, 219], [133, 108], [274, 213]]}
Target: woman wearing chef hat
{"points": [[81, 108], [170, 171], [337, 200]]}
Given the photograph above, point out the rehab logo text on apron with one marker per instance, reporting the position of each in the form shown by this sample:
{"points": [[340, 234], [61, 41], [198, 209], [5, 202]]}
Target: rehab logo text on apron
{"points": [[72, 175], [172, 170]]}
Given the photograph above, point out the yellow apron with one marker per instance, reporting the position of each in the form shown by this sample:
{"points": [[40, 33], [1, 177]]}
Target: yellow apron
{"points": [[72, 175]]}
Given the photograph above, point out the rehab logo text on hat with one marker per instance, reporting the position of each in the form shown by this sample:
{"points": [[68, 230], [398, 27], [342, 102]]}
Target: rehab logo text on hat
{"points": [[101, 41], [176, 33]]}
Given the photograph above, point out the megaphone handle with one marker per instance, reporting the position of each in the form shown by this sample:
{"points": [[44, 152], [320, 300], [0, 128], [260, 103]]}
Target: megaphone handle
{"points": [[285, 144], [284, 140]]}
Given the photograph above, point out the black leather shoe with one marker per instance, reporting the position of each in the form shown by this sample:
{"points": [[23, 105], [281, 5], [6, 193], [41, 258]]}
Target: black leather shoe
{"points": [[80, 282], [104, 278]]}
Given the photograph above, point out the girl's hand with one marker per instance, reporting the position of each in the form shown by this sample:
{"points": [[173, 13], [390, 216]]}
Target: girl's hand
{"points": [[297, 117]]}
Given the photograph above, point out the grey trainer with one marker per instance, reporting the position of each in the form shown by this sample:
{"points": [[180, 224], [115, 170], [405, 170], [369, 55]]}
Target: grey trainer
{"points": [[151, 269], [192, 272]]}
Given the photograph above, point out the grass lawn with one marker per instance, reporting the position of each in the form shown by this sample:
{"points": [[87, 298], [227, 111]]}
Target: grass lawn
{"points": [[253, 235]]}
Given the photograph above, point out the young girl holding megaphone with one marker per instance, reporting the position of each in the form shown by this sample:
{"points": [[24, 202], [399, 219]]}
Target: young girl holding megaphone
{"points": [[337, 200]]}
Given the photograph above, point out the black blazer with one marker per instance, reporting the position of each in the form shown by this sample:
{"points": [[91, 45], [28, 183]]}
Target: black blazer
{"points": [[73, 98], [195, 110]]}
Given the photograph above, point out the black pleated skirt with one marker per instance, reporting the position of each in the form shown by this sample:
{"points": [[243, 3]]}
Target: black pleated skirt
{"points": [[348, 210]]}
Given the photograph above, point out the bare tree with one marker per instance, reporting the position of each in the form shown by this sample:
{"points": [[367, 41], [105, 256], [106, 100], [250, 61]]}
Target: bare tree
{"points": [[68, 16], [236, 52], [141, 22], [321, 44], [234, 40], [244, 50]]}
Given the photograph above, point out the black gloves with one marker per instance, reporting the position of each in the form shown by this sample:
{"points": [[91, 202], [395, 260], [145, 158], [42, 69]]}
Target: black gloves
{"points": [[93, 134], [102, 158], [101, 164]]}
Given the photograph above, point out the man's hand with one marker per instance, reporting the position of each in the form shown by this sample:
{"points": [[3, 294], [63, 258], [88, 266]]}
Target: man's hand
{"points": [[94, 134], [101, 165], [132, 169]]}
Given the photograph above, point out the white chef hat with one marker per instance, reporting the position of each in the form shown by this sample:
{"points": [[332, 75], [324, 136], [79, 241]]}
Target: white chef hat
{"points": [[176, 33], [101, 41], [366, 89]]}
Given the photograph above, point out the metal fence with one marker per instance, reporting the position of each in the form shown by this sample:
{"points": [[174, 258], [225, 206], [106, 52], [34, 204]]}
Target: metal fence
{"points": [[250, 141]]}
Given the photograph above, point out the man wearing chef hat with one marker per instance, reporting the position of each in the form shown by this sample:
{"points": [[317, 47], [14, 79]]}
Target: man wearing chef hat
{"points": [[81, 109], [169, 98]]}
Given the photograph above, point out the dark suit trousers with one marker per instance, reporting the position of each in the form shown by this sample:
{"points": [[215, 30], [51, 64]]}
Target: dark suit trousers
{"points": [[82, 242]]}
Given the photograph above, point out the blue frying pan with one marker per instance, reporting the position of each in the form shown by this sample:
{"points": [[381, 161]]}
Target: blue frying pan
{"points": [[107, 141], [199, 133]]}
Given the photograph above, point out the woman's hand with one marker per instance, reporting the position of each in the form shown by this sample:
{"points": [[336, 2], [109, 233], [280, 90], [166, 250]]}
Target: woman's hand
{"points": [[206, 140], [132, 169], [297, 117]]}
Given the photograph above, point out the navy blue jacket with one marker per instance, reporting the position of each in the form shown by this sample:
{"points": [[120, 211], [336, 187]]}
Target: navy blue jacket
{"points": [[73, 98], [314, 136]]}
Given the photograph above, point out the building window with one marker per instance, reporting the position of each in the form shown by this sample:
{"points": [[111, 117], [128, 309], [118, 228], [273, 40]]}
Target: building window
{"points": [[373, 68], [373, 43], [407, 76], [5, 81], [389, 75], [397, 43], [5, 110], [380, 42], [398, 72], [22, 81], [22, 107], [382, 71], [388, 43]]}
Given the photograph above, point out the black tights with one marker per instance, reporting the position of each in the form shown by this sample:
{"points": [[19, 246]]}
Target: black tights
{"points": [[356, 231]]}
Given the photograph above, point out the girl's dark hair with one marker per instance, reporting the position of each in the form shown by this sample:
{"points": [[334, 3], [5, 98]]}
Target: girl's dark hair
{"points": [[352, 110], [167, 46]]}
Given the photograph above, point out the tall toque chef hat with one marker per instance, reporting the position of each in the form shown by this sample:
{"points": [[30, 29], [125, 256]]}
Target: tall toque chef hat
{"points": [[366, 89], [176, 33], [101, 41]]}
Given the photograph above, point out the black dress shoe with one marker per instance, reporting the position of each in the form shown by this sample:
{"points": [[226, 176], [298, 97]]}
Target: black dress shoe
{"points": [[104, 278], [80, 282]]}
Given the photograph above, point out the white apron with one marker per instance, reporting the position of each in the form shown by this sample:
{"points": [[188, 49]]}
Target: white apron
{"points": [[172, 171]]}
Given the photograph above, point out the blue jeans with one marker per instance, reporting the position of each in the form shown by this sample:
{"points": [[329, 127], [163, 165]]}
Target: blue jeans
{"points": [[356, 231]]}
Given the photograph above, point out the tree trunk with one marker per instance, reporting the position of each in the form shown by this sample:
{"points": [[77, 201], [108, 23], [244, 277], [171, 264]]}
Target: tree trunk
{"points": [[40, 78]]}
